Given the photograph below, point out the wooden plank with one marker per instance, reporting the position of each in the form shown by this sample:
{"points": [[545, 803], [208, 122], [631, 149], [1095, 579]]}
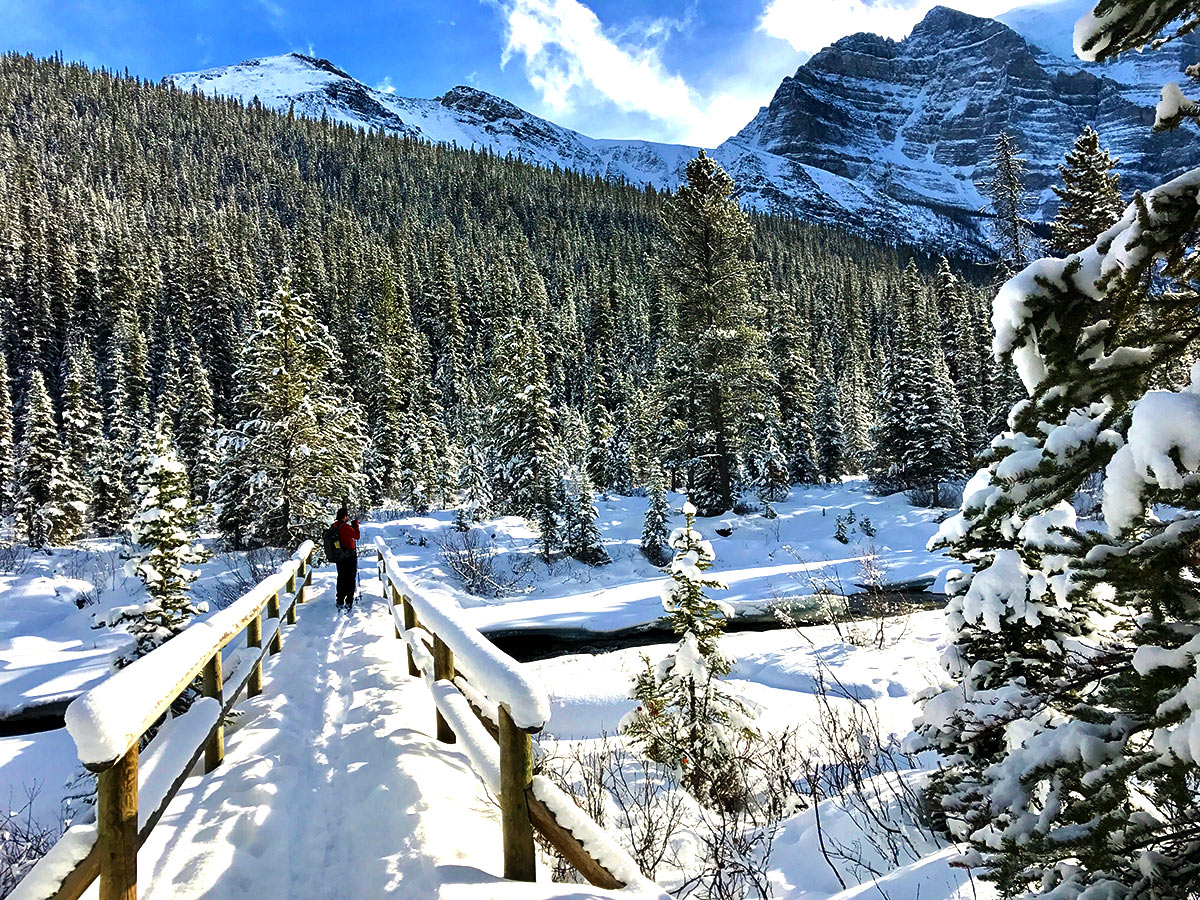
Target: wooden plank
{"points": [[214, 750], [566, 844], [254, 639], [117, 828], [393, 597], [443, 670]]}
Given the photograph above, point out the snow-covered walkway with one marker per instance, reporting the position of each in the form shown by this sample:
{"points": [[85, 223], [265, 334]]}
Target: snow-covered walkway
{"points": [[332, 786]]}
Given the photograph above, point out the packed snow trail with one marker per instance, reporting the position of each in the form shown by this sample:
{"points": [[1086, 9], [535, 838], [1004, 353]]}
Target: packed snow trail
{"points": [[332, 786]]}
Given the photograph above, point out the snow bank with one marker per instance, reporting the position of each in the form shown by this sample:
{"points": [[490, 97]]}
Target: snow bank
{"points": [[498, 675], [108, 719]]}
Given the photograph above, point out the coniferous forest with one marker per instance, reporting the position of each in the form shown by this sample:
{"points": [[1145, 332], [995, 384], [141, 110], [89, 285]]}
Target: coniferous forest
{"points": [[314, 314], [225, 320]]}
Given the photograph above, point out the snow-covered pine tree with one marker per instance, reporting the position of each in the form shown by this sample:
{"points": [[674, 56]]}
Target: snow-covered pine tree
{"points": [[719, 345], [7, 460], [162, 527], [548, 506], [83, 427], [686, 717], [523, 421], [918, 438], [770, 471], [296, 451], [43, 510], [196, 435], [655, 530], [1070, 728], [1091, 785], [474, 486], [1006, 191], [1089, 201], [585, 542], [795, 380], [828, 433]]}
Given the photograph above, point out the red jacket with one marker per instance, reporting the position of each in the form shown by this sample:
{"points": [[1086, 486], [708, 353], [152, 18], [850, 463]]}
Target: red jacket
{"points": [[348, 535]]}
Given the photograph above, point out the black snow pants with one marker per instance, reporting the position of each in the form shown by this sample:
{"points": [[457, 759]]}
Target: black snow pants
{"points": [[347, 572]]}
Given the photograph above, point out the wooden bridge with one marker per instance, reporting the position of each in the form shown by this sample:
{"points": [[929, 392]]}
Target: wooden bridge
{"points": [[486, 705]]}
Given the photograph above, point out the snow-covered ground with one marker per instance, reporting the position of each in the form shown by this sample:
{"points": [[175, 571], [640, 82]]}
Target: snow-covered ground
{"points": [[50, 649], [782, 671], [340, 737], [762, 560]]}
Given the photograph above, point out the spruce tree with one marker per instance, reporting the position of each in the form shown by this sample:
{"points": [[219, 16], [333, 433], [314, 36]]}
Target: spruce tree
{"points": [[43, 513], [586, 543], [162, 527], [7, 469], [719, 343], [1068, 732], [196, 435], [655, 529], [83, 428], [686, 717], [1089, 201], [296, 452], [1006, 190]]}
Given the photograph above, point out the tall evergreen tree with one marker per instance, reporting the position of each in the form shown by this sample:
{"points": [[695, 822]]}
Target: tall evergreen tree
{"points": [[163, 531], [686, 717], [1006, 190], [7, 468], [719, 342], [42, 495], [297, 450], [1089, 201]]}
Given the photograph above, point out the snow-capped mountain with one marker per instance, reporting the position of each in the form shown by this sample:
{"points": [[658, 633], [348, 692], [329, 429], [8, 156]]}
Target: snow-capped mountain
{"points": [[884, 137]]}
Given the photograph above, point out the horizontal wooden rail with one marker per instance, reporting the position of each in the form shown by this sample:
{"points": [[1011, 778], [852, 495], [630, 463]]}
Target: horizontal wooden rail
{"points": [[105, 725], [475, 687]]}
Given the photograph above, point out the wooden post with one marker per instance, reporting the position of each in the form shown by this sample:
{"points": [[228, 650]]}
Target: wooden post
{"points": [[254, 639], [117, 827], [393, 596], [443, 670], [291, 592], [516, 777], [303, 595], [214, 751], [273, 613], [410, 622]]}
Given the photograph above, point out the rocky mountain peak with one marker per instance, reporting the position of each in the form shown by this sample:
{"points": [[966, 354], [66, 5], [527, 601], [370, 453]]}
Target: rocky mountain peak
{"points": [[487, 106]]}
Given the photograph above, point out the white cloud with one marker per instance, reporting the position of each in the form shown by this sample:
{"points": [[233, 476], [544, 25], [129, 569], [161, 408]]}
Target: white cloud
{"points": [[386, 85], [809, 25], [572, 62]]}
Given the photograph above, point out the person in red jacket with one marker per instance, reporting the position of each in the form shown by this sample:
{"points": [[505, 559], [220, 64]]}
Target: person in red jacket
{"points": [[347, 566]]}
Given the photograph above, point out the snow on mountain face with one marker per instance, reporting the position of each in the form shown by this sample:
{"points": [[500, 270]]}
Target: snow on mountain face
{"points": [[914, 121], [1141, 75], [887, 138]]}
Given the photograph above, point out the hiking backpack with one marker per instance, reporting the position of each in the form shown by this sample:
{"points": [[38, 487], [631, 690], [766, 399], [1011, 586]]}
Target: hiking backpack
{"points": [[333, 550]]}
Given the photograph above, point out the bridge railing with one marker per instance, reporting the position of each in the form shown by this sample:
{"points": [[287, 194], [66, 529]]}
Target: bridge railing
{"points": [[485, 698], [108, 723]]}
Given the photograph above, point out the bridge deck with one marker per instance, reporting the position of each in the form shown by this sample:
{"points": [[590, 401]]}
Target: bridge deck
{"points": [[332, 786]]}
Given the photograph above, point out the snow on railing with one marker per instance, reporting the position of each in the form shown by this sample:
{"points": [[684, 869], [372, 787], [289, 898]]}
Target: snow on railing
{"points": [[492, 671], [484, 697], [108, 722]]}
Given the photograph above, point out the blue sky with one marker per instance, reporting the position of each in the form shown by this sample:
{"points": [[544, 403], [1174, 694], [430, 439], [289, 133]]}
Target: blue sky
{"points": [[693, 71]]}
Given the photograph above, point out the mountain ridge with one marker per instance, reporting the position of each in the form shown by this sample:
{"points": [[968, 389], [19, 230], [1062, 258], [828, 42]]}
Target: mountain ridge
{"points": [[887, 138]]}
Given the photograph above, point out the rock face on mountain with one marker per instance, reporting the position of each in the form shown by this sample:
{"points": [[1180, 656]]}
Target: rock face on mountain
{"points": [[915, 120], [888, 138]]}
